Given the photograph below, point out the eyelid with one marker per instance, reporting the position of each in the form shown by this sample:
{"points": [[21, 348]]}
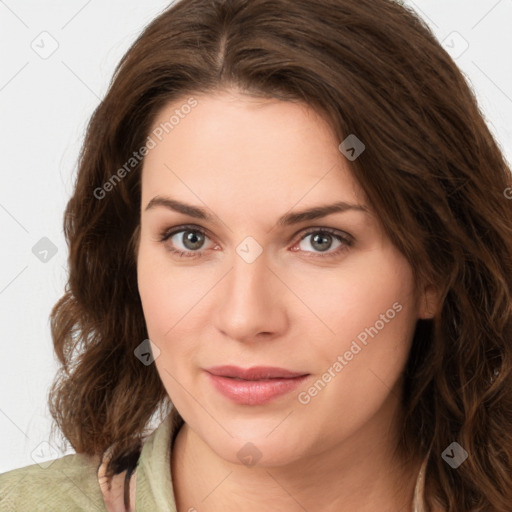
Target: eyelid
{"points": [[324, 229], [168, 232]]}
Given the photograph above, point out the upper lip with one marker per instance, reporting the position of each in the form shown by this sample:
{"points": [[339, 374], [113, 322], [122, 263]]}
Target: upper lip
{"points": [[254, 373]]}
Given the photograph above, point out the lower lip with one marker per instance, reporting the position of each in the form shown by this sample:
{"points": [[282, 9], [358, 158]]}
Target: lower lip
{"points": [[254, 392]]}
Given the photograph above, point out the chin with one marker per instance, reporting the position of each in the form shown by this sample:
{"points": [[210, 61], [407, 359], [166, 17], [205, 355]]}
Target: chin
{"points": [[255, 444]]}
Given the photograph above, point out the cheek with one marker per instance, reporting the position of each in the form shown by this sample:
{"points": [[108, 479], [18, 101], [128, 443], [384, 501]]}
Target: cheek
{"points": [[371, 313], [166, 293], [153, 290], [163, 302], [170, 297], [346, 300]]}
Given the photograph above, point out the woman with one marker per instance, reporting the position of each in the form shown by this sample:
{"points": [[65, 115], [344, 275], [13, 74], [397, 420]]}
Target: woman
{"points": [[291, 236]]}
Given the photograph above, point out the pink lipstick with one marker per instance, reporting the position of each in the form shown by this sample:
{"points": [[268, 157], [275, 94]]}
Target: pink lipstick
{"points": [[254, 386]]}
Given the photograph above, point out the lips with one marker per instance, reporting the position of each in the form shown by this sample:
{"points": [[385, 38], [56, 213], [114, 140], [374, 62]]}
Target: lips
{"points": [[254, 386], [254, 373]]}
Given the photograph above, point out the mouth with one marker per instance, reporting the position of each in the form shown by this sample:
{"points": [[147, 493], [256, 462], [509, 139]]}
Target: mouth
{"points": [[256, 385], [254, 373]]}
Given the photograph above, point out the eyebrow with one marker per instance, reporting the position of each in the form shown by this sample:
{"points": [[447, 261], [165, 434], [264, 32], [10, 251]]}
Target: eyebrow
{"points": [[287, 219]]}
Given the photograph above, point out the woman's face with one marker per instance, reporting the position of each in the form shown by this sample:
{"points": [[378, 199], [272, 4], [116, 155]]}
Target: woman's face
{"points": [[329, 298]]}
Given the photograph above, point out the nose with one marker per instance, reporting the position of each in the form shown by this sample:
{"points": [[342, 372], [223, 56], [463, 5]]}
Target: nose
{"points": [[251, 302]]}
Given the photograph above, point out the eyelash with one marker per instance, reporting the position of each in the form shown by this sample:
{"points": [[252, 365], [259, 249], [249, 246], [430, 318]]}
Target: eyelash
{"points": [[343, 238]]}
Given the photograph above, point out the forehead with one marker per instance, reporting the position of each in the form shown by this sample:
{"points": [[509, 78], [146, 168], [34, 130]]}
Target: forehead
{"points": [[251, 151]]}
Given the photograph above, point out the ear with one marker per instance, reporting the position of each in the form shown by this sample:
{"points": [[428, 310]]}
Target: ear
{"points": [[429, 302]]}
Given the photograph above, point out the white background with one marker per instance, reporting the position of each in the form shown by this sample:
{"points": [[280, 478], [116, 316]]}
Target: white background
{"points": [[45, 105]]}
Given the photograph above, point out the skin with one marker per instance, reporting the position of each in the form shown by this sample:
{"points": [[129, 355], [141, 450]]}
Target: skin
{"points": [[248, 161]]}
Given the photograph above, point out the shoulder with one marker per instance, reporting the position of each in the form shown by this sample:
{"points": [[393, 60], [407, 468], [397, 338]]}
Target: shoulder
{"points": [[69, 483], [75, 482]]}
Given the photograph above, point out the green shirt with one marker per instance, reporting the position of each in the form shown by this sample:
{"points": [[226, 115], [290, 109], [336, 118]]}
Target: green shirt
{"points": [[71, 482]]}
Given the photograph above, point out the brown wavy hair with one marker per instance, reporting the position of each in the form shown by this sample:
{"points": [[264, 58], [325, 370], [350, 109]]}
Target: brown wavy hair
{"points": [[431, 169]]}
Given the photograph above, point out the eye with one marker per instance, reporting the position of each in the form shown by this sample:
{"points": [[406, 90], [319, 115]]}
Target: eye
{"points": [[188, 241], [321, 239], [190, 237]]}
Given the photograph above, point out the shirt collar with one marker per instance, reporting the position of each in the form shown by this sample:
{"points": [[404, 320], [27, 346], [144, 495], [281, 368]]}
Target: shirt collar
{"points": [[151, 482], [152, 478]]}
